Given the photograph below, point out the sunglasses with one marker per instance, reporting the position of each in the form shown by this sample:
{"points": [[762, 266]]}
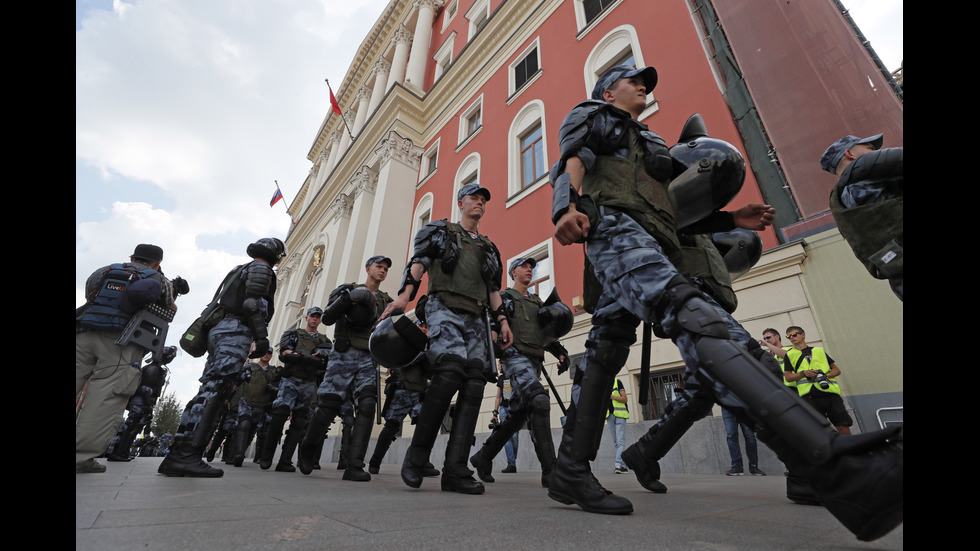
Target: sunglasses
{"points": [[791, 335]]}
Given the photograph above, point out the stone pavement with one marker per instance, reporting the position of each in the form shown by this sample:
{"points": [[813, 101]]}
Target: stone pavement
{"points": [[131, 507]]}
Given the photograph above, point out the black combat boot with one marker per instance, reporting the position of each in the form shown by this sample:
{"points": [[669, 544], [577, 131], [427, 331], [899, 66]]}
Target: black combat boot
{"points": [[312, 442], [456, 477], [440, 392], [544, 446], [185, 459], [219, 437], [643, 456], [274, 433], [360, 436], [243, 433], [294, 434], [571, 480], [482, 460], [388, 435]]}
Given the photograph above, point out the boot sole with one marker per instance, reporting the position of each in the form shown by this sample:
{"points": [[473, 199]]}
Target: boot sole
{"points": [[562, 498]]}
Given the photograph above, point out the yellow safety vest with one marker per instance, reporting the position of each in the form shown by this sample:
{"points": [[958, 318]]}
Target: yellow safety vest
{"points": [[817, 361], [619, 409]]}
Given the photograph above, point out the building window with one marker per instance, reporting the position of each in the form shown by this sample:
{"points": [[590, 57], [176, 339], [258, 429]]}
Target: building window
{"points": [[542, 279], [449, 13], [444, 56], [478, 16], [526, 68], [430, 161], [527, 152], [664, 387], [467, 173], [470, 121], [421, 217], [532, 156], [592, 8], [619, 47]]}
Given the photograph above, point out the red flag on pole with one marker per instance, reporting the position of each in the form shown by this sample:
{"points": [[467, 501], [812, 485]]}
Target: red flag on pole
{"points": [[333, 101]]}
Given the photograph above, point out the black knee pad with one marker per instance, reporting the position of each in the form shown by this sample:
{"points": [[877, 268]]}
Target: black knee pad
{"points": [[366, 401], [609, 355], [450, 363], [472, 391], [540, 404], [473, 369], [332, 402]]}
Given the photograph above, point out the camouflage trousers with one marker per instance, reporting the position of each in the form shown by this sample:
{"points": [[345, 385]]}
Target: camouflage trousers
{"points": [[403, 402], [634, 272], [525, 378], [349, 374], [455, 334], [228, 346], [295, 394]]}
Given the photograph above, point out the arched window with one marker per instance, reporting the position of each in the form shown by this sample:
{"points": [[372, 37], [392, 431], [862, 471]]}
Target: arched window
{"points": [[620, 46], [468, 173], [527, 153]]}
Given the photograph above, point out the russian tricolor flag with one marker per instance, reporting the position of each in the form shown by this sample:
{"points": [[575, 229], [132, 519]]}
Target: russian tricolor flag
{"points": [[276, 197]]}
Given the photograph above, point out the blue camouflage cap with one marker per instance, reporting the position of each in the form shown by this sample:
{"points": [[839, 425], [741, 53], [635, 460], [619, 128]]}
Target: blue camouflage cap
{"points": [[832, 156], [377, 259], [315, 311], [519, 261], [472, 189], [606, 81]]}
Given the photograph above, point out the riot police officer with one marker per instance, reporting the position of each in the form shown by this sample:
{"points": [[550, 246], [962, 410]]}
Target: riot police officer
{"points": [[464, 270], [248, 305]]}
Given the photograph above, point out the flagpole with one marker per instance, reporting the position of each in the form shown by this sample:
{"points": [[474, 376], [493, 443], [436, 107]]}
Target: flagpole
{"points": [[337, 105], [284, 201]]}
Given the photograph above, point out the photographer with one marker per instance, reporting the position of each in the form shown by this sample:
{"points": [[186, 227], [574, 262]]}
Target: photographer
{"points": [[815, 374]]}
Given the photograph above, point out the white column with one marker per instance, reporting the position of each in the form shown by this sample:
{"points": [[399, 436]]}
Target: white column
{"points": [[401, 41], [381, 69], [391, 214], [364, 183], [334, 151], [415, 73], [363, 99]]}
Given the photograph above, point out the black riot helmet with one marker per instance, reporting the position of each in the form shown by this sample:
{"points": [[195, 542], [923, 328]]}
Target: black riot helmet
{"points": [[397, 341], [269, 249], [740, 248], [555, 318], [708, 173]]}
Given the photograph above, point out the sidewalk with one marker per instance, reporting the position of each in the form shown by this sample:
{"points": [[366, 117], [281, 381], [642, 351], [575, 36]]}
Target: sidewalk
{"points": [[131, 507]]}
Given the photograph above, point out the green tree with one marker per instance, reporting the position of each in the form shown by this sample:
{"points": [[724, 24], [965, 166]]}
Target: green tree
{"points": [[167, 415]]}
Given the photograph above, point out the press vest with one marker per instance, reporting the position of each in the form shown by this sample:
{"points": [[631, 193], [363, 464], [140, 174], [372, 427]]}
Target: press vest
{"points": [[359, 336], [102, 313], [524, 324], [818, 361], [619, 409], [464, 287]]}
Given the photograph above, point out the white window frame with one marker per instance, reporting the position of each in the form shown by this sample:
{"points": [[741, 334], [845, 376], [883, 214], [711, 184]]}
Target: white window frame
{"points": [[464, 134], [448, 14], [611, 47], [512, 90], [469, 167], [444, 56], [531, 114], [430, 154], [545, 247], [424, 205], [584, 26], [479, 11]]}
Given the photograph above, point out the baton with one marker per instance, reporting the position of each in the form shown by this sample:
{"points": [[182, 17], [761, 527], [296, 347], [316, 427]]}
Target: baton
{"points": [[377, 386], [645, 363], [493, 356], [554, 391]]}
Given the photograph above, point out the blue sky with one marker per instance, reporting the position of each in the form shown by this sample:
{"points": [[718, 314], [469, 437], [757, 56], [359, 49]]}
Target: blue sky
{"points": [[187, 113]]}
